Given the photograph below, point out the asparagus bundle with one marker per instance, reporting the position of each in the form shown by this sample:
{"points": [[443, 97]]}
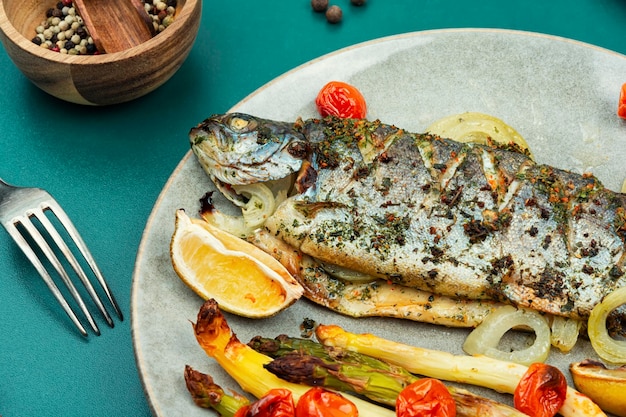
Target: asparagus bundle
{"points": [[304, 361], [245, 365], [476, 370]]}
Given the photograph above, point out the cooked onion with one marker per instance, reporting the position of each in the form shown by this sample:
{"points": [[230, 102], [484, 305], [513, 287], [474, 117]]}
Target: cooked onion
{"points": [[346, 274], [477, 128], [564, 332], [606, 347], [261, 203], [485, 338]]}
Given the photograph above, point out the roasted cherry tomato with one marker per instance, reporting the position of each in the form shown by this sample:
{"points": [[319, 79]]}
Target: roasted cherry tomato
{"points": [[276, 403], [320, 402], [426, 397], [621, 106], [340, 99], [541, 391]]}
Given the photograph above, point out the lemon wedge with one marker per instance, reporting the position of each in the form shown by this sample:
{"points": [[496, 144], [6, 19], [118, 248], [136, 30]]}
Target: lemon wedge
{"points": [[605, 386], [242, 278], [478, 128]]}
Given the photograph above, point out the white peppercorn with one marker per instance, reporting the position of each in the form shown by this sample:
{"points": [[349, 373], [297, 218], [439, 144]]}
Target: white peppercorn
{"points": [[168, 20]]}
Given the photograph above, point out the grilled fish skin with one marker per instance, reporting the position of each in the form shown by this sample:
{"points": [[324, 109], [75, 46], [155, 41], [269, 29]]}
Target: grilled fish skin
{"points": [[461, 220], [376, 297]]}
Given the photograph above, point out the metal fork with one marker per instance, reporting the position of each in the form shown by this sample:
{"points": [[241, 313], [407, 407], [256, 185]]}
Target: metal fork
{"points": [[18, 207]]}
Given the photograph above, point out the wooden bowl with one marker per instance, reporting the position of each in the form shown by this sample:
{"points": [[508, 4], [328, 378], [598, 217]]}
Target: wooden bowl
{"points": [[103, 79]]}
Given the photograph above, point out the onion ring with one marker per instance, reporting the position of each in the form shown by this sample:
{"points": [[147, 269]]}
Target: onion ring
{"points": [[609, 349], [485, 338], [478, 128]]}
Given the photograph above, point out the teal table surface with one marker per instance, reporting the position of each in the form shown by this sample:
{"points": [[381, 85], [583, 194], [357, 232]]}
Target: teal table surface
{"points": [[107, 165]]}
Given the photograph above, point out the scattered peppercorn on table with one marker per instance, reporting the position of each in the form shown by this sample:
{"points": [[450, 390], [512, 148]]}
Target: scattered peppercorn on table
{"points": [[107, 165]]}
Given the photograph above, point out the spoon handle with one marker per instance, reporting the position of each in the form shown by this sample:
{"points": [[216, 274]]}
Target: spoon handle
{"points": [[115, 25]]}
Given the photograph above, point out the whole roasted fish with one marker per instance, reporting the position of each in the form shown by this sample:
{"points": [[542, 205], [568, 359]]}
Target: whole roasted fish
{"points": [[464, 221]]}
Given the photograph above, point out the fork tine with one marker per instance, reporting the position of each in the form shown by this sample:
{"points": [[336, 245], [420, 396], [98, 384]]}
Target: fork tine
{"points": [[56, 237], [60, 214], [30, 254], [54, 260]]}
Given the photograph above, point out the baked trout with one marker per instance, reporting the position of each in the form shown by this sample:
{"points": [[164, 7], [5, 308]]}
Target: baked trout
{"points": [[466, 221]]}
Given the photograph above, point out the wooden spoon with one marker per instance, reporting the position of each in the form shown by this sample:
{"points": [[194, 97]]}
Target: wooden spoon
{"points": [[116, 25]]}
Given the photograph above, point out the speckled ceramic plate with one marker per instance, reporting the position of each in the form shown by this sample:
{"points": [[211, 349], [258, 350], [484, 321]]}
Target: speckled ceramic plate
{"points": [[561, 95]]}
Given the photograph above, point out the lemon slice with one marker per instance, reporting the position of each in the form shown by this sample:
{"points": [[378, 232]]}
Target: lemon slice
{"points": [[242, 278], [477, 128]]}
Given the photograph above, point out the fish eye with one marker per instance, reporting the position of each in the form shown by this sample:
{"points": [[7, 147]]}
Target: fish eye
{"points": [[239, 123]]}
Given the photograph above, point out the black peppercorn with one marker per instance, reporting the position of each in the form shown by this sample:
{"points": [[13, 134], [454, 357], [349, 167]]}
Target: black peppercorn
{"points": [[319, 5], [357, 2], [37, 40], [334, 14]]}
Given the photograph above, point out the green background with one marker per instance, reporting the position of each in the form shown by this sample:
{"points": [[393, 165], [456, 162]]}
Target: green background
{"points": [[107, 165]]}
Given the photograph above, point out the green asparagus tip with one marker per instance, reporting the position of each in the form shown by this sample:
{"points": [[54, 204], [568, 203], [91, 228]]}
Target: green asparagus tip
{"points": [[207, 394]]}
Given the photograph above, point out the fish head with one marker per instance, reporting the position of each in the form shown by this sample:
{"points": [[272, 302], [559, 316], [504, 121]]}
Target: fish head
{"points": [[239, 149]]}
